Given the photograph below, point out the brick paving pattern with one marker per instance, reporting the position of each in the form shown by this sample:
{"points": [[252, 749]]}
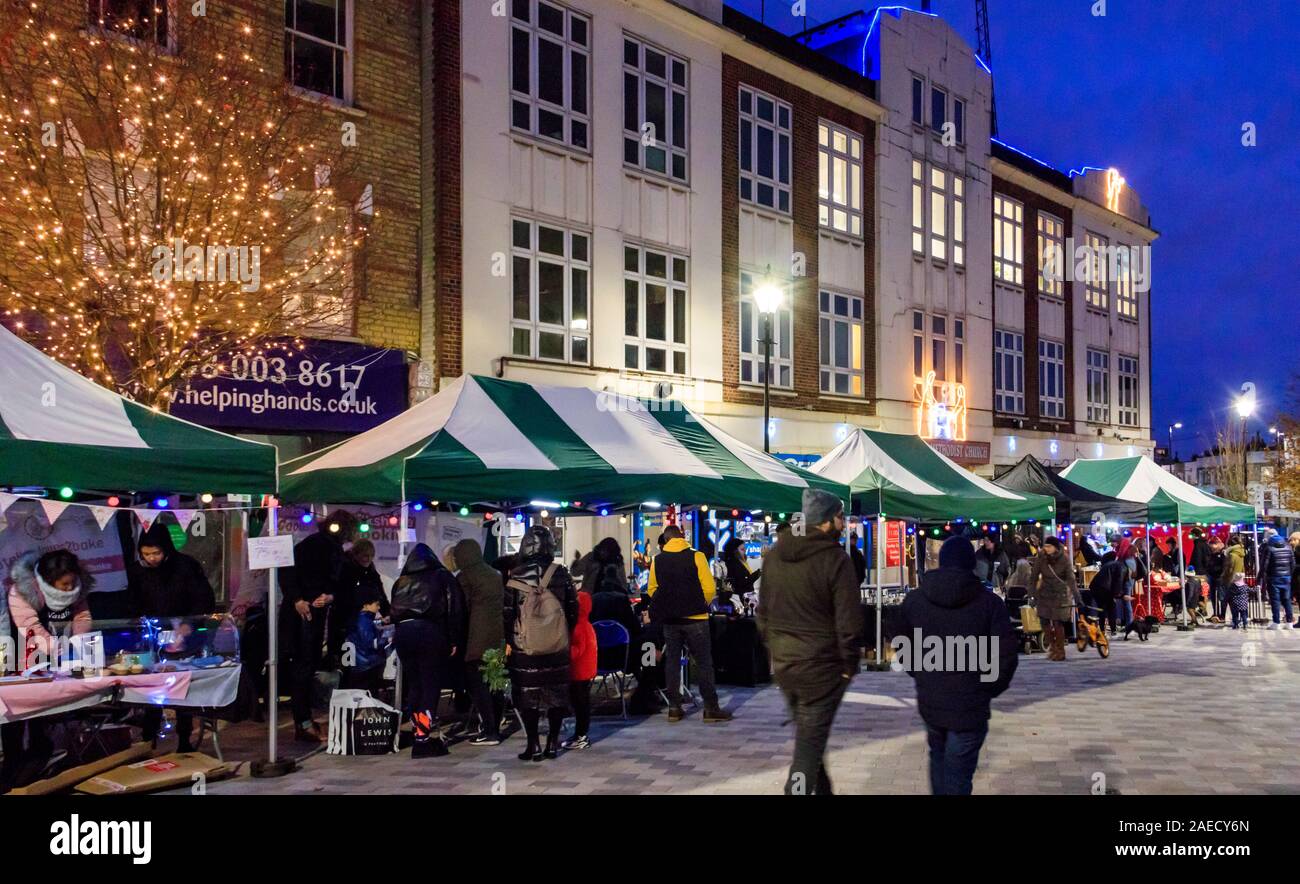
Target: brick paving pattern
{"points": [[1185, 713]]}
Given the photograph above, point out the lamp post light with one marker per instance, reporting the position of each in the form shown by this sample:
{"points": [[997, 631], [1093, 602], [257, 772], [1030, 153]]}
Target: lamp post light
{"points": [[768, 297], [1245, 408], [1177, 425], [1281, 464]]}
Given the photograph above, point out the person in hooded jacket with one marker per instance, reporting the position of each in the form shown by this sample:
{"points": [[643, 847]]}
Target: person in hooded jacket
{"points": [[582, 671], [429, 610], [955, 705], [164, 583], [1108, 586], [311, 587], [47, 602], [1276, 561], [810, 617], [485, 598], [539, 681]]}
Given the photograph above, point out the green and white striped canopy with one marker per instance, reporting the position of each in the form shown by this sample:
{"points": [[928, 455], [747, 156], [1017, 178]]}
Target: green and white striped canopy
{"points": [[901, 477], [504, 443], [60, 429], [1168, 497]]}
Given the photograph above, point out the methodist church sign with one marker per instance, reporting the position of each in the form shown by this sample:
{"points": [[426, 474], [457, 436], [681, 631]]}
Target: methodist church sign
{"points": [[334, 386]]}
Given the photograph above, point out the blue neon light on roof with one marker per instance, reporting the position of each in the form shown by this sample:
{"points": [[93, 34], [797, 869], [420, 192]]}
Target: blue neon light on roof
{"points": [[988, 70], [1079, 173], [1030, 156], [874, 35]]}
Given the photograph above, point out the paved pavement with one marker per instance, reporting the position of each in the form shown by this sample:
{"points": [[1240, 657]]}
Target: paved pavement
{"points": [[1211, 711]]}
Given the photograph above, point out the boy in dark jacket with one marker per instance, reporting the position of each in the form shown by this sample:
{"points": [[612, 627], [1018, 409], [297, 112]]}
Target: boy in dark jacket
{"points": [[953, 612], [810, 616], [165, 583], [364, 653]]}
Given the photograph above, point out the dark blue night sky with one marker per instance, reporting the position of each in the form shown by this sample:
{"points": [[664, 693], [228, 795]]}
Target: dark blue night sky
{"points": [[1161, 89]]}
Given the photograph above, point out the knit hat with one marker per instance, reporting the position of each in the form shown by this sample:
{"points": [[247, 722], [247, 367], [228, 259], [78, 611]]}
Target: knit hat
{"points": [[367, 593], [820, 506], [957, 552]]}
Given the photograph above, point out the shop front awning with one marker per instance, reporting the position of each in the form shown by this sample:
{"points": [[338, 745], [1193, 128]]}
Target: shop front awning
{"points": [[901, 477], [486, 441]]}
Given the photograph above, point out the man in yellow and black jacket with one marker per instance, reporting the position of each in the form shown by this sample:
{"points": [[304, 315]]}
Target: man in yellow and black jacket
{"points": [[681, 587]]}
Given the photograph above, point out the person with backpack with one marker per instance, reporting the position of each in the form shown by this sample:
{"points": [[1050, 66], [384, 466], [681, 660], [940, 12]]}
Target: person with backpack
{"points": [[680, 589], [428, 607], [541, 610], [485, 597]]}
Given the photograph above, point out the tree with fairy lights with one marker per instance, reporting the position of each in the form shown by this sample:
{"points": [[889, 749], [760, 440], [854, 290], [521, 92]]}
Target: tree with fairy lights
{"points": [[167, 198]]}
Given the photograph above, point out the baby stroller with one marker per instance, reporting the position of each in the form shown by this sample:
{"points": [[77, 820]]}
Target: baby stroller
{"points": [[1024, 620]]}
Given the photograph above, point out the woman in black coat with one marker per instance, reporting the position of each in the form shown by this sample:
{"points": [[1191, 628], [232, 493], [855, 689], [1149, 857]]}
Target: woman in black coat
{"points": [[429, 609], [738, 573], [539, 681]]}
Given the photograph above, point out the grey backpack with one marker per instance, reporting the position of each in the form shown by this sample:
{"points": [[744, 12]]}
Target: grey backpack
{"points": [[541, 627]]}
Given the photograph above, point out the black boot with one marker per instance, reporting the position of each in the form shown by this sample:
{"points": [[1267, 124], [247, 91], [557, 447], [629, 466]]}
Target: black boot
{"points": [[531, 753]]}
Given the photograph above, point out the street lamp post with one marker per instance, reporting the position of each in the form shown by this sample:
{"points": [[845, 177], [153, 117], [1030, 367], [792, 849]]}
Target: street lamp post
{"points": [[1245, 408], [1174, 426], [768, 297]]}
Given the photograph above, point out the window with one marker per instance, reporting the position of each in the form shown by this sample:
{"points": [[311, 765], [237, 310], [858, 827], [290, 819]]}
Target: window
{"points": [[110, 198], [959, 120], [918, 207], [918, 101], [751, 338], [1051, 256], [839, 159], [316, 47], [959, 351], [764, 150], [1008, 240], [1008, 372], [550, 72], [1051, 379], [143, 20], [1098, 387], [1126, 368], [1126, 303], [550, 293], [654, 310], [654, 110], [1097, 289], [958, 222], [918, 344], [939, 347], [842, 337], [938, 214], [938, 108]]}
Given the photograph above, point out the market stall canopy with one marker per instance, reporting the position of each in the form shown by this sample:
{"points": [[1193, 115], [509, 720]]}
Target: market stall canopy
{"points": [[60, 429], [901, 477], [505, 443], [1075, 504], [1168, 498]]}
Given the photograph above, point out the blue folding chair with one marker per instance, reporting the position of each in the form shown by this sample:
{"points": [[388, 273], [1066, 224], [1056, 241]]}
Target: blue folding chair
{"points": [[612, 640]]}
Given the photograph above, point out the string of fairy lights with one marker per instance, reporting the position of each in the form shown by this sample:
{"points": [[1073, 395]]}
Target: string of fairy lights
{"points": [[131, 174]]}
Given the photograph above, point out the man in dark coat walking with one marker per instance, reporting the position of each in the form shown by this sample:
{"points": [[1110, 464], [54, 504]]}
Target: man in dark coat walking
{"points": [[165, 583], [810, 616], [485, 597], [976, 658]]}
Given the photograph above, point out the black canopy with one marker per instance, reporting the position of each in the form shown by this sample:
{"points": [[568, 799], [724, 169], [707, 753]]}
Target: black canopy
{"points": [[1075, 505]]}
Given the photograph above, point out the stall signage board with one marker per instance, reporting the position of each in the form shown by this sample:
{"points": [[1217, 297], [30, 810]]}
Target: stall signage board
{"points": [[333, 386], [893, 544], [270, 552], [965, 453]]}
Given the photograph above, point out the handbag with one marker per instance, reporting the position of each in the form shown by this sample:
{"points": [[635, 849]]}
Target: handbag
{"points": [[1029, 619]]}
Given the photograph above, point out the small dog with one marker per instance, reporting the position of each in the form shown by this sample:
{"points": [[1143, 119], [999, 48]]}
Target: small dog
{"points": [[1143, 627]]}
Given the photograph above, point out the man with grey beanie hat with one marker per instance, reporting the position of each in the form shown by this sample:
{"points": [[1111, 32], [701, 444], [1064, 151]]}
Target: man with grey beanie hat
{"points": [[810, 616]]}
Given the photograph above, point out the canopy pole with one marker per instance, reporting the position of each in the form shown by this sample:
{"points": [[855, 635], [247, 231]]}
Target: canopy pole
{"points": [[272, 766], [1182, 576], [918, 539], [880, 588], [1259, 583], [1148, 596]]}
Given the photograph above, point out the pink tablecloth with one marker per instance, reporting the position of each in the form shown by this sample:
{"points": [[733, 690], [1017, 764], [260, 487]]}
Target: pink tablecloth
{"points": [[19, 701]]}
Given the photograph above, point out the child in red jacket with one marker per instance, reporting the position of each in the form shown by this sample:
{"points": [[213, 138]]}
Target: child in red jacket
{"points": [[582, 669]]}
